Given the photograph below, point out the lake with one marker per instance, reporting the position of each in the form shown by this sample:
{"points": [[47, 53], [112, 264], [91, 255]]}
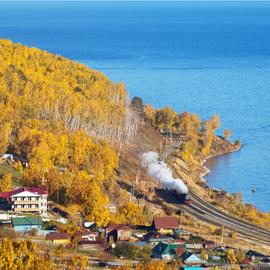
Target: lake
{"points": [[201, 57]]}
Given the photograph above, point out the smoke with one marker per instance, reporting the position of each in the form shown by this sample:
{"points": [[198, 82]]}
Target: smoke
{"points": [[161, 172]]}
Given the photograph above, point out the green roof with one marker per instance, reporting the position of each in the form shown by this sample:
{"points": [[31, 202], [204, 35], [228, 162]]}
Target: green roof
{"points": [[19, 221], [167, 249]]}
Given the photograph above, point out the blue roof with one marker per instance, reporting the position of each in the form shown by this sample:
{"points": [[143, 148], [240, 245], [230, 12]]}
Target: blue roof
{"points": [[194, 259], [179, 231], [192, 268], [165, 239], [140, 244]]}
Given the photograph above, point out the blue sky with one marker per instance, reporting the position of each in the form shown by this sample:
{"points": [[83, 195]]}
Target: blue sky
{"points": [[134, 0]]}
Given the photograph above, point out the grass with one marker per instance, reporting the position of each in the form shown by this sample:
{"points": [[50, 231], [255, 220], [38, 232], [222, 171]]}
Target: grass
{"points": [[6, 169]]}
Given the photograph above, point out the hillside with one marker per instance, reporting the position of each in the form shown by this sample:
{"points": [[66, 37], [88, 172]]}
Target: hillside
{"points": [[53, 90], [62, 118], [79, 132]]}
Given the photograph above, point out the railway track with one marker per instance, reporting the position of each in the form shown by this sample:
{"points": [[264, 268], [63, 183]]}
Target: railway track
{"points": [[199, 201], [169, 150], [210, 214], [209, 219]]}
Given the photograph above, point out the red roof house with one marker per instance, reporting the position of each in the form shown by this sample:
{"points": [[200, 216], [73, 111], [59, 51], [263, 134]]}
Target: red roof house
{"points": [[165, 223], [118, 232]]}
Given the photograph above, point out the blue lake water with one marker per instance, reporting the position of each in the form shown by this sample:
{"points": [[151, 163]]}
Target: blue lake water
{"points": [[201, 57]]}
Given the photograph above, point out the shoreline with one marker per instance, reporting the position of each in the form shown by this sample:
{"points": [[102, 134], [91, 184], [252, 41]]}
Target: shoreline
{"points": [[207, 170]]}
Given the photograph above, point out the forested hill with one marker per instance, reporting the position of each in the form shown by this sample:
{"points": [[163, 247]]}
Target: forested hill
{"points": [[55, 114], [49, 88]]}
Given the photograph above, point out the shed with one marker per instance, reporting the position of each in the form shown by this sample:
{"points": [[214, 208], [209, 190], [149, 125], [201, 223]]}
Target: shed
{"points": [[58, 238], [26, 224], [92, 245]]}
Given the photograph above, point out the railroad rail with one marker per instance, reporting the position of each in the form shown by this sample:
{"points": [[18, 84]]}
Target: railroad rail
{"points": [[210, 214]]}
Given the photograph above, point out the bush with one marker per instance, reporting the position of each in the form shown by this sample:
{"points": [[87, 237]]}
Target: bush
{"points": [[232, 235], [237, 143], [126, 250], [218, 231], [8, 233]]}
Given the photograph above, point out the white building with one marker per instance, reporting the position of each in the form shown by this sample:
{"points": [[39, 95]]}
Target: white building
{"points": [[27, 200]]}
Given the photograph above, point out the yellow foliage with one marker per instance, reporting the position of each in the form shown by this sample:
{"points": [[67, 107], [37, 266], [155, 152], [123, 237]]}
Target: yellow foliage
{"points": [[152, 265], [130, 213], [231, 257], [95, 205], [17, 255], [59, 115], [6, 183]]}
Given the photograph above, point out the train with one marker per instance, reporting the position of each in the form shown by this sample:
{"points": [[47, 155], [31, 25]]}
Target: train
{"points": [[182, 198]]}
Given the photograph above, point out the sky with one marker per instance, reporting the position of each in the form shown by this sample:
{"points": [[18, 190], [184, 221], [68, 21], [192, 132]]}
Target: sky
{"points": [[134, 0]]}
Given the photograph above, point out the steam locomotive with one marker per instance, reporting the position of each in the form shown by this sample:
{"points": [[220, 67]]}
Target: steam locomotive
{"points": [[182, 198]]}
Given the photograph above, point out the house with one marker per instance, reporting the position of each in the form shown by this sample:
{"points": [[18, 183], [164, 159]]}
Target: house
{"points": [[111, 207], [168, 251], [4, 203], [215, 259], [25, 200], [156, 240], [181, 234], [92, 245], [85, 234], [118, 232], [26, 224], [247, 262], [7, 157], [208, 244], [140, 244], [190, 258], [255, 256], [58, 238], [194, 246], [165, 225]]}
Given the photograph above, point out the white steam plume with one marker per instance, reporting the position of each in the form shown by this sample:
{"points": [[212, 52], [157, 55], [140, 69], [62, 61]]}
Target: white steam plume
{"points": [[161, 172]]}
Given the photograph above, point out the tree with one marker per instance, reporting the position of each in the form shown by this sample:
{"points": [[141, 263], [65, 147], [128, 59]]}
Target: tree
{"points": [[155, 265], [149, 114], [130, 213], [95, 205], [137, 104], [77, 262], [17, 255], [230, 255], [204, 254], [215, 121], [165, 118], [227, 133], [240, 256], [126, 249], [5, 130], [6, 183]]}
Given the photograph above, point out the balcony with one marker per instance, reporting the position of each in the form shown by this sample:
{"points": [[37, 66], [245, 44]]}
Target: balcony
{"points": [[25, 202], [19, 209]]}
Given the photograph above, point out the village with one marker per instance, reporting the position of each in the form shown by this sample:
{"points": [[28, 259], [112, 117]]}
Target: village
{"points": [[26, 213]]}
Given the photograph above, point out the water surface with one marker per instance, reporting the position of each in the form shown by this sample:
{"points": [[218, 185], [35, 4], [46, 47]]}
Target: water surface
{"points": [[200, 57]]}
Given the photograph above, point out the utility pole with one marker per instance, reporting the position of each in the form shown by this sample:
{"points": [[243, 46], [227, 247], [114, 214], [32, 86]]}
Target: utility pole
{"points": [[138, 177], [222, 235], [181, 219]]}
